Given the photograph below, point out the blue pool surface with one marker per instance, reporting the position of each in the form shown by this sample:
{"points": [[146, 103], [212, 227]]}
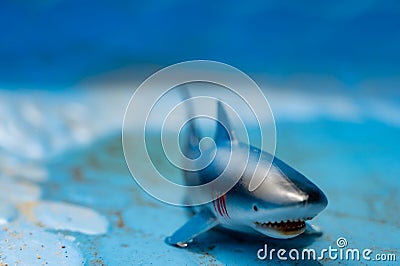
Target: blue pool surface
{"points": [[80, 205]]}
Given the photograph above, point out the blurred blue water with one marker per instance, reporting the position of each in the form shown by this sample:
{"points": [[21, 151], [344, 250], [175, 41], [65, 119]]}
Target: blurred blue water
{"points": [[61, 42], [81, 163]]}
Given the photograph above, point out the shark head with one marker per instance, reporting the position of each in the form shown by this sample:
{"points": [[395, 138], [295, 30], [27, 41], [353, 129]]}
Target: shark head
{"points": [[280, 206]]}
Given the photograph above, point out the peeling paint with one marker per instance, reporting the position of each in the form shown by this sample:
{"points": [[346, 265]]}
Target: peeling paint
{"points": [[65, 216], [25, 245]]}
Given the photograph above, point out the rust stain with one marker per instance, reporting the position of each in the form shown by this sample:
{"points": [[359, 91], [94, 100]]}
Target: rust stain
{"points": [[120, 222], [114, 147], [26, 208], [94, 162], [77, 174], [97, 262]]}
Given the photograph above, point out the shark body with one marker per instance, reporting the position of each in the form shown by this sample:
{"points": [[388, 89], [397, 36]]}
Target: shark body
{"points": [[279, 207]]}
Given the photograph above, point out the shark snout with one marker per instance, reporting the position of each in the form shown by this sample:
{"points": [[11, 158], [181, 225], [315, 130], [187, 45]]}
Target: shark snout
{"points": [[289, 196], [313, 198], [300, 191], [316, 198]]}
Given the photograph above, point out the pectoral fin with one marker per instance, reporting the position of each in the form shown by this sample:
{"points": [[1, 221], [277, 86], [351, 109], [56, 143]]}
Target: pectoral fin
{"points": [[198, 224], [312, 230]]}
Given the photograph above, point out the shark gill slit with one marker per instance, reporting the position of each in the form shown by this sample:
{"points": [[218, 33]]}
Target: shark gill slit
{"points": [[220, 206]]}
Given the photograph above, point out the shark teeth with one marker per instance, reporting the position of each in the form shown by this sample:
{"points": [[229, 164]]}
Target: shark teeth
{"points": [[284, 225]]}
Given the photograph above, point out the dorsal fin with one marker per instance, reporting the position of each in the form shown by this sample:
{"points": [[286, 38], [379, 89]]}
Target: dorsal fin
{"points": [[224, 130], [194, 137]]}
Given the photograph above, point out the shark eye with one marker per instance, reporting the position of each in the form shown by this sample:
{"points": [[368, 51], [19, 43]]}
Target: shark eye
{"points": [[255, 208]]}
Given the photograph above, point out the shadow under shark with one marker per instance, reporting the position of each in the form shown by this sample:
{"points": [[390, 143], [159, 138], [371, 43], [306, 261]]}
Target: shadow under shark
{"points": [[279, 207]]}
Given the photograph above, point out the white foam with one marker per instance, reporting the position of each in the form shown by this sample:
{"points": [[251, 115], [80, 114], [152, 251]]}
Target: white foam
{"points": [[64, 120], [71, 217], [16, 191], [12, 167], [308, 106], [385, 111], [38, 125]]}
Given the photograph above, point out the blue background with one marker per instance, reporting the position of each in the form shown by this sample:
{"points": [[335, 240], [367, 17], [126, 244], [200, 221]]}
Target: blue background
{"points": [[61, 42], [332, 71]]}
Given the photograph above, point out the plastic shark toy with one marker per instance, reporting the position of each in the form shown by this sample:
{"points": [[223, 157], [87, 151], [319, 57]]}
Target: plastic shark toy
{"points": [[279, 207]]}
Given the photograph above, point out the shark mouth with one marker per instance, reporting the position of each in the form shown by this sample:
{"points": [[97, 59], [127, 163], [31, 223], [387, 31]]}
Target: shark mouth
{"points": [[288, 227]]}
